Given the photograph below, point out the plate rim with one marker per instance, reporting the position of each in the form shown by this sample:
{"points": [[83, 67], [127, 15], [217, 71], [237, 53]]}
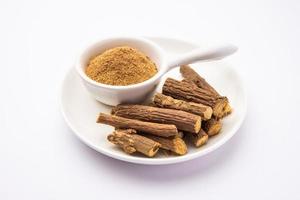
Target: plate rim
{"points": [[160, 161]]}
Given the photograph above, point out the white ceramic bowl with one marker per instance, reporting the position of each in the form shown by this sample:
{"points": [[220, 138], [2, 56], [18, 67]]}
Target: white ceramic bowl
{"points": [[113, 95]]}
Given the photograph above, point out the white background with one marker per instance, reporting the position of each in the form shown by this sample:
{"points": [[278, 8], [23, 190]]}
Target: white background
{"points": [[41, 159]]}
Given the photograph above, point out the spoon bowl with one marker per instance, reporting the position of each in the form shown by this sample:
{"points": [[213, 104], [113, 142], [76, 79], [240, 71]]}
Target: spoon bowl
{"points": [[114, 95]]}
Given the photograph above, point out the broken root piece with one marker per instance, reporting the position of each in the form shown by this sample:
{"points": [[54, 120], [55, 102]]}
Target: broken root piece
{"points": [[212, 127], [199, 139], [164, 130], [188, 91], [130, 142], [176, 144], [182, 120], [189, 74], [164, 101]]}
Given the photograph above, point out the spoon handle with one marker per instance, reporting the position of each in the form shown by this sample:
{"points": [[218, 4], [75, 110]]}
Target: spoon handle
{"points": [[202, 54]]}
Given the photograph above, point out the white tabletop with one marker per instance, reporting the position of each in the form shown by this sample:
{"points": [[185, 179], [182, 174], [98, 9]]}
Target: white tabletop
{"points": [[41, 159]]}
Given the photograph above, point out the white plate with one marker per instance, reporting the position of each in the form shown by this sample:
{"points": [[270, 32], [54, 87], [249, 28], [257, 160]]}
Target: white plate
{"points": [[80, 110]]}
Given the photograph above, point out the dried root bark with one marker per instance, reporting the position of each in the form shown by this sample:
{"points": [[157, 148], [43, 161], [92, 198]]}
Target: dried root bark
{"points": [[164, 101], [189, 74], [176, 144], [226, 110], [186, 90], [164, 130], [130, 142], [212, 127], [199, 139], [181, 119]]}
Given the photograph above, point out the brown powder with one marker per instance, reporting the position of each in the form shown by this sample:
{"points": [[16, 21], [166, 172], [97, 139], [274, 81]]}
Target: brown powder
{"points": [[121, 66]]}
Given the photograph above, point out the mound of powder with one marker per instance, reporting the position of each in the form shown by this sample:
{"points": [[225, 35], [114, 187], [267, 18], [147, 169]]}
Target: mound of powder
{"points": [[121, 66]]}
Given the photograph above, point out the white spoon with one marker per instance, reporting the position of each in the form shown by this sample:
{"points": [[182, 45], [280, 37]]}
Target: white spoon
{"points": [[113, 95], [202, 54]]}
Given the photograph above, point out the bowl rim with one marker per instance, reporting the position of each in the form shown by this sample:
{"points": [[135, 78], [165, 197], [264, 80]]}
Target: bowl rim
{"points": [[152, 80]]}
